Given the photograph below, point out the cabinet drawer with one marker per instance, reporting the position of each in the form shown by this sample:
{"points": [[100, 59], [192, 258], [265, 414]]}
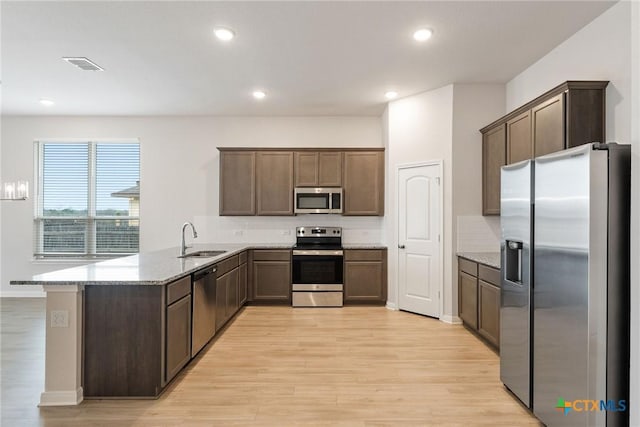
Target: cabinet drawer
{"points": [[178, 289], [242, 257], [489, 275], [363, 255], [271, 255], [227, 265], [468, 267]]}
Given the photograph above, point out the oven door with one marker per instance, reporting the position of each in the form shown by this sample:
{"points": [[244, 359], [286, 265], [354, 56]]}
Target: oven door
{"points": [[317, 267]]}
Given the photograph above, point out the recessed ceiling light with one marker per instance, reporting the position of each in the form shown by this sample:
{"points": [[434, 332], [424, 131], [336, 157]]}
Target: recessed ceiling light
{"points": [[224, 34], [423, 34], [259, 94], [391, 94], [46, 102]]}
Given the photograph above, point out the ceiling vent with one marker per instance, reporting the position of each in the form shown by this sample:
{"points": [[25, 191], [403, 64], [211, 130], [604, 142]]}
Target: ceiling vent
{"points": [[83, 63]]}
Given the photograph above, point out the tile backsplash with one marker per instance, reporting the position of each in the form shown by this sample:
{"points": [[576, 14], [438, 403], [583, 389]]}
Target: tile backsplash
{"points": [[237, 229], [478, 233]]}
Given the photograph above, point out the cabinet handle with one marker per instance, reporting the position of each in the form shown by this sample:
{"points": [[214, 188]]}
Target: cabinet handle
{"points": [[400, 246]]}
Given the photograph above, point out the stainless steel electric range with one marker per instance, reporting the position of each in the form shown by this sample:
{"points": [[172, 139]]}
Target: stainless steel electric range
{"points": [[317, 267]]}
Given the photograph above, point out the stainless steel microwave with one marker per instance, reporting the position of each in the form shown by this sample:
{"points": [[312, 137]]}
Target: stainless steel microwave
{"points": [[318, 200]]}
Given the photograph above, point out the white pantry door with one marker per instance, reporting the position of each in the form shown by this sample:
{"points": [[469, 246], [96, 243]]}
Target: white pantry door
{"points": [[419, 253]]}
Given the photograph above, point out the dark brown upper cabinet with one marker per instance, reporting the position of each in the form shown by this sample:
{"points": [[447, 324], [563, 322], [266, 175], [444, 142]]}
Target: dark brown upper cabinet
{"points": [[363, 183], [318, 169], [274, 186], [237, 183], [548, 126], [519, 145], [494, 156], [570, 114]]}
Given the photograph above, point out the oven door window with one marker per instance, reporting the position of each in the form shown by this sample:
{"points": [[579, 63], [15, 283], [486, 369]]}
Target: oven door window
{"points": [[312, 201], [317, 269]]}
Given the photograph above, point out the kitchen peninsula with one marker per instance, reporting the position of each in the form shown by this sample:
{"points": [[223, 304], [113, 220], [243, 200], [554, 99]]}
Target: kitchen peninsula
{"points": [[125, 327]]}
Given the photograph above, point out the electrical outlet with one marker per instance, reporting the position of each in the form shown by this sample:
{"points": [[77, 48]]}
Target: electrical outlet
{"points": [[59, 318], [238, 233], [286, 232]]}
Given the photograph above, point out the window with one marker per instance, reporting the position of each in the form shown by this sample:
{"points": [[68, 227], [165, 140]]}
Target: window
{"points": [[87, 199]]}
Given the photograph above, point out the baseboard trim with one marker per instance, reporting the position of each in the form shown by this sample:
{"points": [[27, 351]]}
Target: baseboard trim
{"points": [[391, 306], [23, 294], [453, 320], [61, 398]]}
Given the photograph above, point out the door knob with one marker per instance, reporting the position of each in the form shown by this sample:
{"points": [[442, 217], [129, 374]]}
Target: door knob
{"points": [[400, 246]]}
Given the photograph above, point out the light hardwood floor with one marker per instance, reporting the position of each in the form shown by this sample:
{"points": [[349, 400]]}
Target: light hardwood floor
{"points": [[278, 366]]}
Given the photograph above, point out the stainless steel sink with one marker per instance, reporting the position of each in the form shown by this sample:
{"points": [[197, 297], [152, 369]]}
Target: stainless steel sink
{"points": [[202, 254]]}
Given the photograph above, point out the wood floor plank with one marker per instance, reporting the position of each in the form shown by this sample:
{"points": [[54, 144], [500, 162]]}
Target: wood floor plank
{"points": [[279, 366]]}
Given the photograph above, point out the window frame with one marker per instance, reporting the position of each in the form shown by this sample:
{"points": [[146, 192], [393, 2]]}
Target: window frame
{"points": [[91, 218]]}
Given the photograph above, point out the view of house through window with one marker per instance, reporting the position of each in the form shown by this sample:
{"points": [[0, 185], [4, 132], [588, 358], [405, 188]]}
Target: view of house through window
{"points": [[88, 199]]}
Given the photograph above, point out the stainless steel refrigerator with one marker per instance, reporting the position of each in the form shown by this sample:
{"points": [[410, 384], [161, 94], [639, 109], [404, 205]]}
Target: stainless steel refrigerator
{"points": [[565, 284]]}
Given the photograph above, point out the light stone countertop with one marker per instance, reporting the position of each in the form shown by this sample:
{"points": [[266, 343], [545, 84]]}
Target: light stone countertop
{"points": [[147, 268], [363, 246], [492, 259]]}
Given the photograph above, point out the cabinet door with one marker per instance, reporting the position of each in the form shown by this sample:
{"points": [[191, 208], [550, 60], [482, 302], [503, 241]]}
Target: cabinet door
{"points": [[330, 169], [468, 299], [493, 158], [547, 122], [519, 146], [237, 183], [178, 336], [274, 173], [232, 293], [306, 169], [242, 285], [363, 183], [489, 312], [221, 300], [272, 281], [364, 282]]}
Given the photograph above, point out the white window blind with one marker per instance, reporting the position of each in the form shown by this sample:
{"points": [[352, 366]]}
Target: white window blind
{"points": [[88, 199]]}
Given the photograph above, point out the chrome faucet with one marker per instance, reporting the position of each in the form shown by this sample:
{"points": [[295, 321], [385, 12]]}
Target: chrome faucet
{"points": [[183, 246]]}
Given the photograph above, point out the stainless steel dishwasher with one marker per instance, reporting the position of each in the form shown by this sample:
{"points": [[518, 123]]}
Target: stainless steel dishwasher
{"points": [[204, 308]]}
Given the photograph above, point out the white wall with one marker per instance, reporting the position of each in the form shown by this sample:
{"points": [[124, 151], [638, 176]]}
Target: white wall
{"points": [[420, 129], [605, 49], [179, 177]]}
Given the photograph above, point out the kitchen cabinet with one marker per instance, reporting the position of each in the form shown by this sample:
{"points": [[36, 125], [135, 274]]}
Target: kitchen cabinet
{"points": [[226, 290], [365, 276], [318, 169], [363, 183], [493, 158], [479, 299], [136, 338], [548, 126], [570, 114], [242, 280], [237, 183], [519, 145], [274, 182], [271, 276], [257, 181], [178, 336]]}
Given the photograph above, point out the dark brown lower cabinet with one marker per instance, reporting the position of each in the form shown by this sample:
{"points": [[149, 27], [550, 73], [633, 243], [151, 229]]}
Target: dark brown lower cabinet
{"points": [[468, 299], [271, 276], [365, 276], [242, 284], [479, 299], [489, 312], [221, 300], [178, 336]]}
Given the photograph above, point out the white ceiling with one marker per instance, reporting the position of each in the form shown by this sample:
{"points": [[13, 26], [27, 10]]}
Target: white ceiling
{"points": [[312, 58]]}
